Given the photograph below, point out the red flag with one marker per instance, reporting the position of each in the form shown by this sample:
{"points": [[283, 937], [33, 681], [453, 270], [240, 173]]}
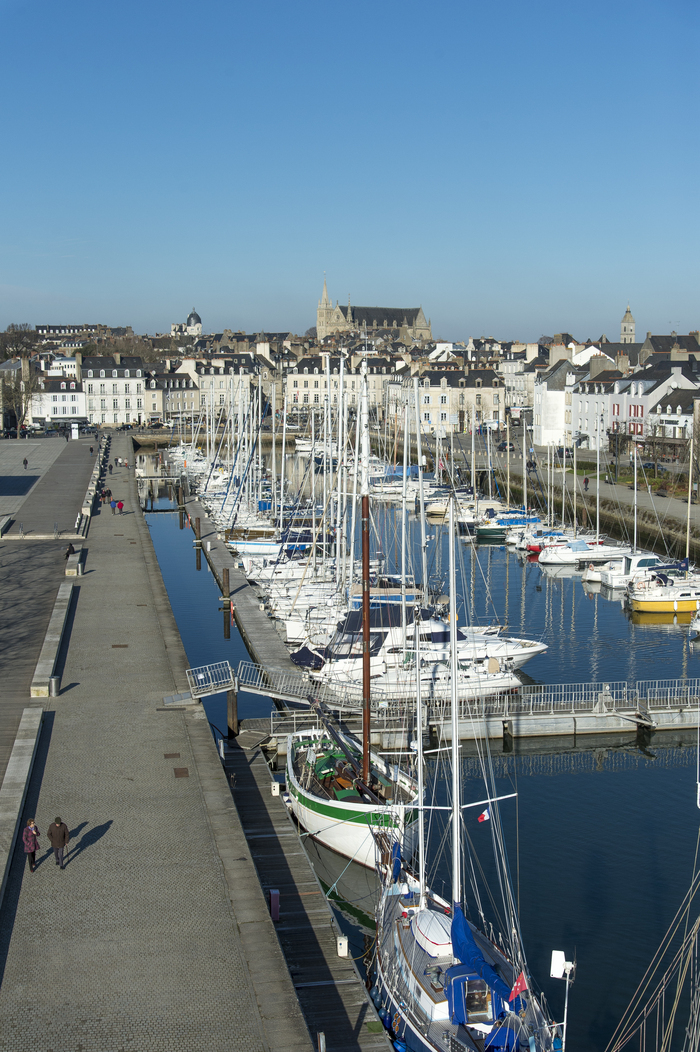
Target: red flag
{"points": [[520, 985]]}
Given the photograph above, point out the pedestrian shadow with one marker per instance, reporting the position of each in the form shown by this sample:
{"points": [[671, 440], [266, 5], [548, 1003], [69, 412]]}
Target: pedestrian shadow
{"points": [[88, 839]]}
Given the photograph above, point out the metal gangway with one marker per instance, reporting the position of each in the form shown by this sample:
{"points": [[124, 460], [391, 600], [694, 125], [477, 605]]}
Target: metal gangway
{"points": [[210, 679]]}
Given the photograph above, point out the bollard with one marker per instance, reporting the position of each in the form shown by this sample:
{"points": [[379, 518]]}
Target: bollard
{"points": [[54, 686], [80, 568], [226, 584], [208, 546], [197, 529], [321, 1041]]}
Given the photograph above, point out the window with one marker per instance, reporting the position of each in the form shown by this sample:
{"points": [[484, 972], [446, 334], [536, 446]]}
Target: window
{"points": [[443, 416], [114, 372], [89, 372], [426, 399], [115, 388], [316, 385], [295, 383], [91, 405], [127, 403], [54, 398], [443, 399], [103, 405], [306, 384], [64, 410], [126, 389], [74, 398], [306, 399], [63, 387], [74, 409], [90, 387], [126, 372], [426, 417], [72, 387], [63, 398], [139, 403], [115, 403], [316, 399], [138, 372], [222, 399], [116, 418], [102, 372], [102, 388]]}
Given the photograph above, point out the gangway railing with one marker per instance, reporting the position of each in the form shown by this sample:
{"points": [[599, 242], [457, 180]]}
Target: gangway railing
{"points": [[210, 679]]}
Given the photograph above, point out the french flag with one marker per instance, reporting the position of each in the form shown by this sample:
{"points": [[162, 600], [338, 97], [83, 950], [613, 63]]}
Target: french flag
{"points": [[485, 815]]}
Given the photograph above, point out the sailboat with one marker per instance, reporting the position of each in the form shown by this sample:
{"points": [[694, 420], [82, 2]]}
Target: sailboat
{"points": [[441, 983], [339, 792]]}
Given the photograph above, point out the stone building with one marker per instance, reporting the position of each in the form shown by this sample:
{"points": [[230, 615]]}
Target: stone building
{"points": [[627, 327], [409, 321]]}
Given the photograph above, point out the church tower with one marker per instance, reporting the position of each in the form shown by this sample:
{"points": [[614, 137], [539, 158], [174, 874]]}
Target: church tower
{"points": [[627, 327], [323, 313]]}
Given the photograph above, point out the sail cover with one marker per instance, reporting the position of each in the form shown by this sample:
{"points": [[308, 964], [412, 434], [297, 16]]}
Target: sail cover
{"points": [[464, 947]]}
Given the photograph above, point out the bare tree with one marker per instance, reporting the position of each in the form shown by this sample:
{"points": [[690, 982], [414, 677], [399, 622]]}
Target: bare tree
{"points": [[18, 341], [18, 386]]}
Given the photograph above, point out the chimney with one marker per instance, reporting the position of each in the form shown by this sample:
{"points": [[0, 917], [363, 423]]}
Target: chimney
{"points": [[117, 357], [598, 363]]}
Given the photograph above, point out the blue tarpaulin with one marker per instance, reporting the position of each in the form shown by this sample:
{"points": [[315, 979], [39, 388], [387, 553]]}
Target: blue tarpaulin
{"points": [[464, 947]]}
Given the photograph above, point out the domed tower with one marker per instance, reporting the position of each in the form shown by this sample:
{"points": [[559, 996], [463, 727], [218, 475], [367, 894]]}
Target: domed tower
{"points": [[627, 327]]}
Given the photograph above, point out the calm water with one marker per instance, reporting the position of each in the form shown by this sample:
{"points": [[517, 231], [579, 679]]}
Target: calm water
{"points": [[606, 832]]}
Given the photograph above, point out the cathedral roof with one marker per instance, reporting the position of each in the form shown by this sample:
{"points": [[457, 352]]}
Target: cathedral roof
{"points": [[194, 318], [381, 317]]}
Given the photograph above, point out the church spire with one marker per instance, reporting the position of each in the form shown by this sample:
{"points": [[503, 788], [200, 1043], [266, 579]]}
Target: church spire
{"points": [[325, 302], [627, 327]]}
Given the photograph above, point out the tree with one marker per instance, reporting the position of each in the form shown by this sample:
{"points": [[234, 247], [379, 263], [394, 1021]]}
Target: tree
{"points": [[18, 386], [18, 341]]}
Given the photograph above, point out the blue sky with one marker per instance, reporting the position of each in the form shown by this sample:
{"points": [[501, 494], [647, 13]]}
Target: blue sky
{"points": [[515, 168]]}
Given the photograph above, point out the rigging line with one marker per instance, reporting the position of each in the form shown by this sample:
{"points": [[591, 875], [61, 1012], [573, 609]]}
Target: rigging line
{"points": [[654, 964]]}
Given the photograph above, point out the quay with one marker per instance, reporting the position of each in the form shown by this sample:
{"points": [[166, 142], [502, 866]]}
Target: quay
{"points": [[158, 934]]}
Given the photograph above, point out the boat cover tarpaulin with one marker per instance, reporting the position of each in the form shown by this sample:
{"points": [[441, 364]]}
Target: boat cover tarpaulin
{"points": [[306, 658], [464, 947]]}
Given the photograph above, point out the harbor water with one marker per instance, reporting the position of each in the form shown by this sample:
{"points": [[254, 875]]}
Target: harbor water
{"points": [[603, 834]]}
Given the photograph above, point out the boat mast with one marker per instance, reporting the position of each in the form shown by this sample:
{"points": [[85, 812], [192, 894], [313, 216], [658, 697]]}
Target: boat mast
{"points": [[404, 517], [423, 540], [473, 456], [508, 462], [419, 761], [634, 549], [597, 484], [456, 781], [525, 462], [273, 458], [575, 493], [364, 491], [690, 493]]}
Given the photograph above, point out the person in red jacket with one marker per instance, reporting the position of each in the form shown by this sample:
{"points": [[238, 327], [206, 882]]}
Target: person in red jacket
{"points": [[30, 836], [58, 837]]}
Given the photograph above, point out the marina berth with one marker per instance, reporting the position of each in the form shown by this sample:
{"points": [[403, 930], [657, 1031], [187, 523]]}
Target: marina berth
{"points": [[665, 592], [619, 573], [580, 552]]}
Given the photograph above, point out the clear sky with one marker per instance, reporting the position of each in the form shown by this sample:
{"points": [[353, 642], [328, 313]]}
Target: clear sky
{"points": [[515, 168]]}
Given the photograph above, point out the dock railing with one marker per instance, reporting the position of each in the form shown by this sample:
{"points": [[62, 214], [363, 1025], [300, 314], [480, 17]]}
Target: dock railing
{"points": [[528, 700], [210, 679]]}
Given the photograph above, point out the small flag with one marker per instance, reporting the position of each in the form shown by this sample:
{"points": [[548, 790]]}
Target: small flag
{"points": [[485, 815], [520, 985]]}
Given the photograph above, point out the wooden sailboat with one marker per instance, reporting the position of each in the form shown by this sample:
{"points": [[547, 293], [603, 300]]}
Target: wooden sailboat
{"points": [[340, 793]]}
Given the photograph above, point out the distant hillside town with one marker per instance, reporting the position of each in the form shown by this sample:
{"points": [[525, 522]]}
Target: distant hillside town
{"points": [[590, 393]]}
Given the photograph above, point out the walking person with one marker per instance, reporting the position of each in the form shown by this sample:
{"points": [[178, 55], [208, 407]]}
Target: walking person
{"points": [[113, 506], [110, 469], [585, 484], [58, 838], [26, 463], [30, 836], [91, 450], [120, 505]]}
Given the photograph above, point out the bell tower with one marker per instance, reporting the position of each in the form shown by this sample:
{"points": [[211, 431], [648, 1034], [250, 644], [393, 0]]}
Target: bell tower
{"points": [[627, 327], [323, 313]]}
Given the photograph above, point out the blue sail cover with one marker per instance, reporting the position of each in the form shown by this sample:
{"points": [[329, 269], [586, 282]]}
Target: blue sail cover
{"points": [[395, 861], [464, 947]]}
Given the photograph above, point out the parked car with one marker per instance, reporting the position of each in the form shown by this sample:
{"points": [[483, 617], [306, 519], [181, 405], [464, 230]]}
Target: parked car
{"points": [[503, 446], [648, 465], [125, 427], [156, 423]]}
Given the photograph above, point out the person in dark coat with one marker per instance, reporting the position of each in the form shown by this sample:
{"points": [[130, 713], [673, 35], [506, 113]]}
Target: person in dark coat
{"points": [[26, 463], [110, 469], [58, 838], [70, 550], [30, 836]]}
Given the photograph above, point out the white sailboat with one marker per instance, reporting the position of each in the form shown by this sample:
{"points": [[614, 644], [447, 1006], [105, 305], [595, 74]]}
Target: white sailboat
{"points": [[441, 982]]}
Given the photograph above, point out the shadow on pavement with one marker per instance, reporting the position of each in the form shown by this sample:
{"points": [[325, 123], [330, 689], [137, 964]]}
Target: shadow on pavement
{"points": [[88, 839]]}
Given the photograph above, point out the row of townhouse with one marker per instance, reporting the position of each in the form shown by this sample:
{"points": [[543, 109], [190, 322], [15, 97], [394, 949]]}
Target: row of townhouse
{"points": [[590, 405]]}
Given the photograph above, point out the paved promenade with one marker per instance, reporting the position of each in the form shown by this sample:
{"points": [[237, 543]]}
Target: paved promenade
{"points": [[148, 939]]}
